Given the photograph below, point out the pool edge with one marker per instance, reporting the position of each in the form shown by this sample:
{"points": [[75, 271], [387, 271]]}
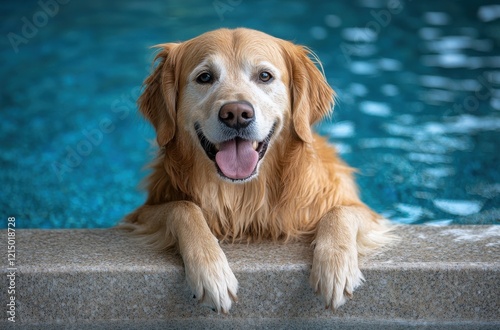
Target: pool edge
{"points": [[437, 277]]}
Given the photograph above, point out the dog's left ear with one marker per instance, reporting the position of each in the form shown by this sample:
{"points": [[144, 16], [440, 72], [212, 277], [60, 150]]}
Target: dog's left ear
{"points": [[312, 97]]}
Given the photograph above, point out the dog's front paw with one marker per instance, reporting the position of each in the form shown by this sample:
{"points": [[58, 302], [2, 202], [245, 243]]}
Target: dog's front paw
{"points": [[211, 279], [335, 275]]}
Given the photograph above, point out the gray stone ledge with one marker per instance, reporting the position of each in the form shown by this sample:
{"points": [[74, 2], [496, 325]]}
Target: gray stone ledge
{"points": [[434, 278]]}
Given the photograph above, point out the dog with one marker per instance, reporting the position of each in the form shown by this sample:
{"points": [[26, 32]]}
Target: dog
{"points": [[239, 162]]}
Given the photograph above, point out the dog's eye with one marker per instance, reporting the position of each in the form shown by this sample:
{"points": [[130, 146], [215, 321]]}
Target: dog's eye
{"points": [[265, 76], [205, 78]]}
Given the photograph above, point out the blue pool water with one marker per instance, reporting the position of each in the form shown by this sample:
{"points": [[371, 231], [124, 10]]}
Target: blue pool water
{"points": [[418, 110]]}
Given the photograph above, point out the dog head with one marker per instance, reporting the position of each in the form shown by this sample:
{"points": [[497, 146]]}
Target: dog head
{"points": [[231, 93]]}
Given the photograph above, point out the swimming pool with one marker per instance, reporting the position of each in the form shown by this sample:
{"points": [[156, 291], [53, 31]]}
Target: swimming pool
{"points": [[418, 110]]}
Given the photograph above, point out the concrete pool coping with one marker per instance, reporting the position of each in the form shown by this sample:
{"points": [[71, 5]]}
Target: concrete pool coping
{"points": [[435, 277]]}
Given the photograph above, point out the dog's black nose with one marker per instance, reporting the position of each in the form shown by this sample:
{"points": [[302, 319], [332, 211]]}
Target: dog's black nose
{"points": [[236, 114]]}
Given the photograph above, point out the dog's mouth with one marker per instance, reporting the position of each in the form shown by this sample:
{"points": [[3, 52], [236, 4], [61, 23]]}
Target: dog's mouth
{"points": [[235, 159]]}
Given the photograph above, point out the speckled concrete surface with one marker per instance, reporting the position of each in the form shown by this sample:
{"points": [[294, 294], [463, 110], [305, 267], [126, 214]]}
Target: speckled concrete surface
{"points": [[435, 277]]}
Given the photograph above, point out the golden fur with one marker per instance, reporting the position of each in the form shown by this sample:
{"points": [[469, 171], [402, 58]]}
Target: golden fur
{"points": [[301, 190]]}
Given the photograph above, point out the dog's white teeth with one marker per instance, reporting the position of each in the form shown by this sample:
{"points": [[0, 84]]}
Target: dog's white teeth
{"points": [[255, 145], [217, 146]]}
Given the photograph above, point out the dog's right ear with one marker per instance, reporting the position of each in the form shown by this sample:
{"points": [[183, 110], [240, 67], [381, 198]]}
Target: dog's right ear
{"points": [[158, 100]]}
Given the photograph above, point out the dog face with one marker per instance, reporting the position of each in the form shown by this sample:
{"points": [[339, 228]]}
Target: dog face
{"points": [[231, 92], [234, 104]]}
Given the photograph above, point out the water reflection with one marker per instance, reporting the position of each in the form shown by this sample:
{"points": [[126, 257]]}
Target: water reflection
{"points": [[418, 108]]}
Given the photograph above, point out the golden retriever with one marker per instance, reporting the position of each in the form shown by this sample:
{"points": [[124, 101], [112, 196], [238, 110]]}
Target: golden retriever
{"points": [[238, 161]]}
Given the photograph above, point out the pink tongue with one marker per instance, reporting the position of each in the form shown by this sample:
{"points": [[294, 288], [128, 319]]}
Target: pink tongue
{"points": [[237, 159]]}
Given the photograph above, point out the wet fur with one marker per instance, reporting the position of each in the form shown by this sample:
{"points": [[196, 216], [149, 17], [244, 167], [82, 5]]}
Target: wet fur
{"points": [[301, 185]]}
